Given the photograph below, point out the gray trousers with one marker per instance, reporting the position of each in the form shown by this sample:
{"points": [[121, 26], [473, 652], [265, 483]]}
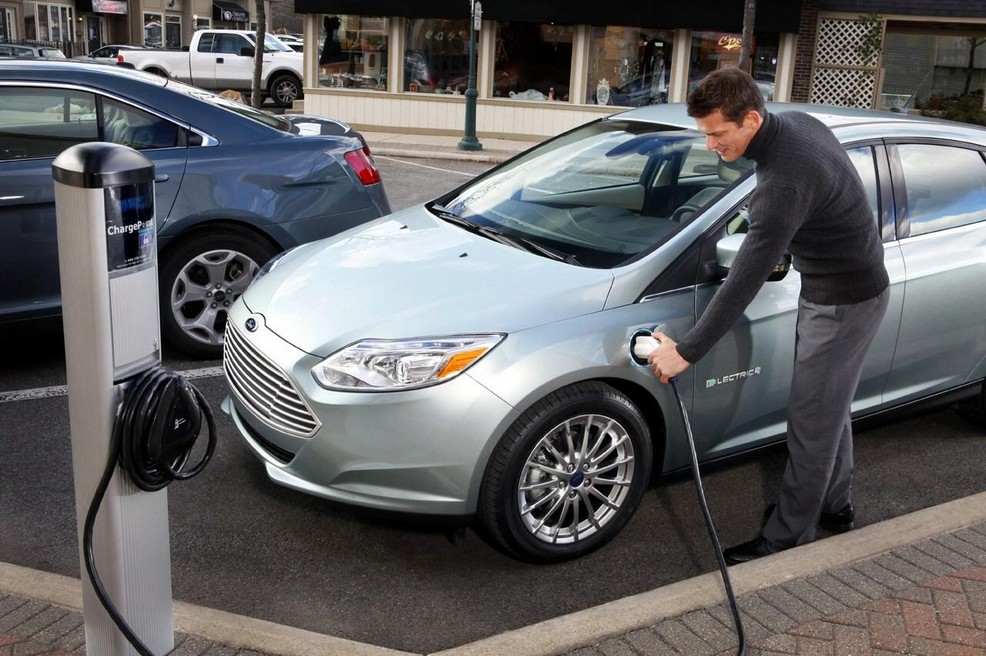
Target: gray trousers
{"points": [[831, 344]]}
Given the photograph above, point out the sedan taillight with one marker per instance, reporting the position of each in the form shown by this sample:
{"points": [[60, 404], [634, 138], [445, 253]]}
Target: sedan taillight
{"points": [[363, 166]]}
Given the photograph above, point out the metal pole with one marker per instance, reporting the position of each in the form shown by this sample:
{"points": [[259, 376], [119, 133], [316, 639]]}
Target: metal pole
{"points": [[469, 140]]}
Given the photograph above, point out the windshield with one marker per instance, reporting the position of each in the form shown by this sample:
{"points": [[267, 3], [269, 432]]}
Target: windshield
{"points": [[601, 194], [273, 44]]}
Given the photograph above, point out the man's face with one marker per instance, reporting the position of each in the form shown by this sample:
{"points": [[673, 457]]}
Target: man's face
{"points": [[727, 138]]}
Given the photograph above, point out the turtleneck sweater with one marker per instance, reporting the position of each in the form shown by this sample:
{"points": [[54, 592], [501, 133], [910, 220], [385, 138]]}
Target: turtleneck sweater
{"points": [[808, 201]]}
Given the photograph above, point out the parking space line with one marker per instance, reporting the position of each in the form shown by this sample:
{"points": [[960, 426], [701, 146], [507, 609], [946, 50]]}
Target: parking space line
{"points": [[61, 390], [424, 166]]}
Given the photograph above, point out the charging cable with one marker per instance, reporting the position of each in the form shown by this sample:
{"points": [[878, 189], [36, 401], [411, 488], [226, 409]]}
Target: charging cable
{"points": [[643, 345], [156, 427]]}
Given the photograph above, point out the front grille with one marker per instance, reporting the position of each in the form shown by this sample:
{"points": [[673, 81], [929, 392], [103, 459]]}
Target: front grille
{"points": [[261, 385]]}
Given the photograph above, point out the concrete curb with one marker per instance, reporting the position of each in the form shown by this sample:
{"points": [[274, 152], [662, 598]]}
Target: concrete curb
{"points": [[562, 634]]}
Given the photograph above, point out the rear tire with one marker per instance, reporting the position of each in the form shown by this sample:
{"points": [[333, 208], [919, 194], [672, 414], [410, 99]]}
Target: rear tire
{"points": [[567, 475], [199, 279]]}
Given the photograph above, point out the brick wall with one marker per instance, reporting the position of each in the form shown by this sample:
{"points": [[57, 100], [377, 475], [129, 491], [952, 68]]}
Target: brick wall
{"points": [[805, 56]]}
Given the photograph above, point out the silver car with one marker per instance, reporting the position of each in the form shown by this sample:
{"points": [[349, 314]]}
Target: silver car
{"points": [[471, 355]]}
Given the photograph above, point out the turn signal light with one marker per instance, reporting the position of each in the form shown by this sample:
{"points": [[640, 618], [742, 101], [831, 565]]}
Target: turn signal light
{"points": [[363, 166]]}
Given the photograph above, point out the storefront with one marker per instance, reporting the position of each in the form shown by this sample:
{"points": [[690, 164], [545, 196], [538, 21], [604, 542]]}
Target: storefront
{"points": [[542, 67]]}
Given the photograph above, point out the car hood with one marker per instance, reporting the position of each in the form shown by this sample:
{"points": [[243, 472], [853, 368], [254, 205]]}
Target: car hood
{"points": [[413, 275]]}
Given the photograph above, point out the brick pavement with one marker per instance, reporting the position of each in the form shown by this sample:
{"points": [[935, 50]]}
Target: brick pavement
{"points": [[923, 599]]}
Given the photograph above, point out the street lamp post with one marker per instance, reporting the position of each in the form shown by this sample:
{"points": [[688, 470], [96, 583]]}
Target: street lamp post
{"points": [[469, 140]]}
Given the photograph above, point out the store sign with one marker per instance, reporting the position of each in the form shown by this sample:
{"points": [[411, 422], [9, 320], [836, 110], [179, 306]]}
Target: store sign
{"points": [[109, 6], [729, 43]]}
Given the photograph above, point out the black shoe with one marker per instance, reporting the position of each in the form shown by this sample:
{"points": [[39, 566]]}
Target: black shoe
{"points": [[838, 522], [743, 553]]}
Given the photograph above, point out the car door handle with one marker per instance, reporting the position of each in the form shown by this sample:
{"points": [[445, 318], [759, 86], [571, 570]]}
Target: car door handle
{"points": [[164, 177], [220, 60]]}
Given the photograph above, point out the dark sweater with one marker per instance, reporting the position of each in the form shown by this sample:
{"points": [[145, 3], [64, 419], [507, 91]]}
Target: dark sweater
{"points": [[809, 201]]}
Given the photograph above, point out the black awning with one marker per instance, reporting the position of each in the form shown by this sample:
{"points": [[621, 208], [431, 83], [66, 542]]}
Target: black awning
{"points": [[719, 15], [230, 12]]}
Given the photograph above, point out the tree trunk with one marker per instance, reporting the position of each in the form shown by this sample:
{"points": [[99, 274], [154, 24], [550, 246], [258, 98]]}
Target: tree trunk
{"points": [[746, 49], [256, 97]]}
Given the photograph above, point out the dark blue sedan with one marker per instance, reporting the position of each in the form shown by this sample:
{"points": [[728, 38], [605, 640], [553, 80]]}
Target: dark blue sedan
{"points": [[234, 186]]}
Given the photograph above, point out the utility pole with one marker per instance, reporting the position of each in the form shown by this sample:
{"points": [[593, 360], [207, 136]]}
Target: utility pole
{"points": [[469, 140]]}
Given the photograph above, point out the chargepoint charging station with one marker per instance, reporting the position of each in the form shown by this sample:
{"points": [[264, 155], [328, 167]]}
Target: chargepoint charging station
{"points": [[107, 256]]}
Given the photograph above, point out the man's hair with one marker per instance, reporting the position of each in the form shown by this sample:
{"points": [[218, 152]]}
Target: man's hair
{"points": [[730, 90]]}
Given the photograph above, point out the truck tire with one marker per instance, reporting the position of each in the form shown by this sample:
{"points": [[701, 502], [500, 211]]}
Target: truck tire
{"points": [[285, 89]]}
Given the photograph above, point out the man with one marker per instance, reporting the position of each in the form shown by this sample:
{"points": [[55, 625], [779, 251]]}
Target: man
{"points": [[809, 201]]}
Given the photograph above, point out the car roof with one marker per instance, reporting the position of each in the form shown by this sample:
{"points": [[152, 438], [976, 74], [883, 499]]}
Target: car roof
{"points": [[85, 72], [675, 114]]}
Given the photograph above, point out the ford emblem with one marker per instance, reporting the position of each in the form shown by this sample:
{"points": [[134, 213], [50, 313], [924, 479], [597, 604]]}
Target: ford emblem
{"points": [[251, 324]]}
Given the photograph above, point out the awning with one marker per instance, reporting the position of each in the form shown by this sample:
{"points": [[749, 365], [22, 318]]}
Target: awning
{"points": [[718, 15], [230, 12]]}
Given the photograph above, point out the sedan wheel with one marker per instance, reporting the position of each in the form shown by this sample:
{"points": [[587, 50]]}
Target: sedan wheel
{"points": [[200, 279], [568, 474]]}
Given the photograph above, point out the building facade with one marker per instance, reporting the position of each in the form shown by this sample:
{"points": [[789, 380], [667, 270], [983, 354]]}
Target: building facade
{"points": [[545, 66]]}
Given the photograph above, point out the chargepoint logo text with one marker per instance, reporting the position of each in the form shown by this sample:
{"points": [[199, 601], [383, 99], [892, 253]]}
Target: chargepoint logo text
{"points": [[732, 378], [128, 229]]}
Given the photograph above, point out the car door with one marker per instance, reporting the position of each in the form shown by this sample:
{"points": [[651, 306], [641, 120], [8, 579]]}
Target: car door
{"points": [[941, 187], [741, 386], [36, 125], [233, 70]]}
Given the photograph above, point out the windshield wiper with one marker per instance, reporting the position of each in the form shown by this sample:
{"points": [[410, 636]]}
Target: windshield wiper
{"points": [[522, 243]]}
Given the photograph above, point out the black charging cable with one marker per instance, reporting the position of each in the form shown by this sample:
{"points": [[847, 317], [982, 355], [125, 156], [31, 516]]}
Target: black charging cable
{"points": [[641, 345], [156, 427]]}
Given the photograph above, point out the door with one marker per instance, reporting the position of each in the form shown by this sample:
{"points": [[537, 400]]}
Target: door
{"points": [[36, 125], [741, 386], [942, 188], [232, 70]]}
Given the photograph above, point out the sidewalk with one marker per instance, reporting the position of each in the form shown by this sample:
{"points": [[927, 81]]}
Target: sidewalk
{"points": [[914, 584], [394, 144]]}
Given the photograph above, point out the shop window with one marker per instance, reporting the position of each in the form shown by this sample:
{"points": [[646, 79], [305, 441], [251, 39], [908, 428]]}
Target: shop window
{"points": [[202, 22], [921, 70], [8, 24], [436, 56], [152, 31], [353, 51], [532, 62], [629, 66], [712, 51], [49, 23]]}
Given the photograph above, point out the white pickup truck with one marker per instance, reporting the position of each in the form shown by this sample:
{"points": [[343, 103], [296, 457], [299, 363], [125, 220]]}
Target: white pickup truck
{"points": [[223, 59]]}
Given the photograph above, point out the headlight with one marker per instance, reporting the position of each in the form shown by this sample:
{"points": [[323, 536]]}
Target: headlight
{"points": [[377, 364]]}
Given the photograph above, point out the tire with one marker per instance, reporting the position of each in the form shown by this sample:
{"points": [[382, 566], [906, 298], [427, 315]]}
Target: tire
{"points": [[285, 89], [199, 279], [536, 509]]}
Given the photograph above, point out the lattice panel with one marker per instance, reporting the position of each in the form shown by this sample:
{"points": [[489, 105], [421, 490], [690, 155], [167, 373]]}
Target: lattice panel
{"points": [[843, 86], [842, 42]]}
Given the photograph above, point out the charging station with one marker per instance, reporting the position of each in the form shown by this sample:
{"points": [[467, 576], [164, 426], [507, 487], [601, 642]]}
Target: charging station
{"points": [[107, 257]]}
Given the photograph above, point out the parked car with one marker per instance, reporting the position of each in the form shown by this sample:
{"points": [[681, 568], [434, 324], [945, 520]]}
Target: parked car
{"points": [[472, 355], [107, 54], [234, 186], [29, 51], [224, 59], [294, 41]]}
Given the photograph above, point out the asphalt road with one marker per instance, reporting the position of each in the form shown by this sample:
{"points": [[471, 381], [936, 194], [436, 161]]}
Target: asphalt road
{"points": [[241, 544]]}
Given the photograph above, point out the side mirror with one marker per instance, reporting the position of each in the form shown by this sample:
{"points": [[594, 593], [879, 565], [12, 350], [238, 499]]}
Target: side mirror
{"points": [[247, 51], [728, 247]]}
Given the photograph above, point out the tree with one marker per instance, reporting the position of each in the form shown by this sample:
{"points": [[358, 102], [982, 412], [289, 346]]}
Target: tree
{"points": [[971, 68], [256, 97], [746, 48]]}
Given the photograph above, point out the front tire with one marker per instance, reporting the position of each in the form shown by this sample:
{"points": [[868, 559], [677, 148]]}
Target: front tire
{"points": [[285, 89], [568, 474], [200, 277]]}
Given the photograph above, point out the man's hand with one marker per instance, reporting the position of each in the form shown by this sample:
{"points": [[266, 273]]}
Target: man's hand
{"points": [[664, 360]]}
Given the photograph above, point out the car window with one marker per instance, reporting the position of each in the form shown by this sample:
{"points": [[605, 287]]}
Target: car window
{"points": [[44, 122], [231, 44], [15, 51], [602, 193], [946, 187], [205, 42], [136, 128], [863, 159]]}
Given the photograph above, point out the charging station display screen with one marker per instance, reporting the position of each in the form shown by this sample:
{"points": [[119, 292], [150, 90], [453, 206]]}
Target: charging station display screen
{"points": [[130, 232]]}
